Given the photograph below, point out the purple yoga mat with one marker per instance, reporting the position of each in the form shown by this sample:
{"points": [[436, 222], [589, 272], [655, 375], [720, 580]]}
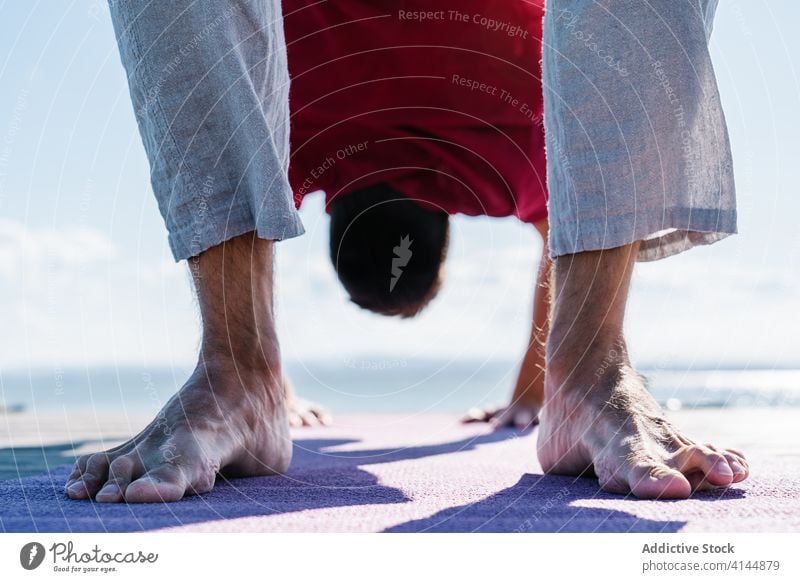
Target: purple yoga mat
{"points": [[414, 474]]}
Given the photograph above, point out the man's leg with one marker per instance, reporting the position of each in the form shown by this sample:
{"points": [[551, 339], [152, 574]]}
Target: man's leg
{"points": [[209, 85], [230, 415], [598, 414], [639, 168]]}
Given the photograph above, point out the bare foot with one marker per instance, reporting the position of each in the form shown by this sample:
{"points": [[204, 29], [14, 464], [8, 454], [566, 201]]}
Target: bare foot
{"points": [[519, 415], [615, 430], [598, 416], [222, 420]]}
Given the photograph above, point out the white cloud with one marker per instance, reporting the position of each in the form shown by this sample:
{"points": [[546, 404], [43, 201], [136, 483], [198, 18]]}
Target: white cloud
{"points": [[34, 251], [68, 300]]}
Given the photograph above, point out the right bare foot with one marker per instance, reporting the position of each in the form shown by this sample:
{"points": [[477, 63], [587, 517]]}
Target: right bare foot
{"points": [[611, 427], [598, 416], [222, 420]]}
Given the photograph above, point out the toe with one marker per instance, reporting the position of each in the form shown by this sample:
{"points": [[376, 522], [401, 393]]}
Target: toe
{"points": [[77, 470], [91, 479], [111, 492], [120, 474], [658, 481], [736, 452], [737, 463], [162, 484], [81, 463], [82, 488], [704, 467]]}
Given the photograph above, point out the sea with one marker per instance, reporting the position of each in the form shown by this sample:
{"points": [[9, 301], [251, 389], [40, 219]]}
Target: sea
{"points": [[385, 385]]}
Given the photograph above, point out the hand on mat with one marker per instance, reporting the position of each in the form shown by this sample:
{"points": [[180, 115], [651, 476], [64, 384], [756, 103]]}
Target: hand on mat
{"points": [[518, 415], [306, 413], [303, 412]]}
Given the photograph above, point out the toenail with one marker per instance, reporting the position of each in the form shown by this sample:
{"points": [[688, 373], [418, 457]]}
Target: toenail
{"points": [[76, 487], [737, 467], [107, 489], [725, 469]]}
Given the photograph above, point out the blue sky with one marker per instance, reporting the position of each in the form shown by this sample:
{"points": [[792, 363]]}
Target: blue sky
{"points": [[86, 277]]}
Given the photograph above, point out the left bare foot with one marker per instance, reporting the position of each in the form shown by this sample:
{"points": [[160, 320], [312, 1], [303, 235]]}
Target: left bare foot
{"points": [[223, 419], [231, 416]]}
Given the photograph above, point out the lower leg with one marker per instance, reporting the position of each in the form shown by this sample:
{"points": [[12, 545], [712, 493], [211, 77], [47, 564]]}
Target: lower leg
{"points": [[598, 416], [230, 415]]}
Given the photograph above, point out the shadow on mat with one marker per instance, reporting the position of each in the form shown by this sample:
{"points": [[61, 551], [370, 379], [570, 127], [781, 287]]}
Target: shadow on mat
{"points": [[320, 477], [539, 503]]}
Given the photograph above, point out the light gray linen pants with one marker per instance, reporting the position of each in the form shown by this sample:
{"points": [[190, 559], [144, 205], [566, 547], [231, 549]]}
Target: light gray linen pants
{"points": [[637, 146], [636, 138], [210, 88]]}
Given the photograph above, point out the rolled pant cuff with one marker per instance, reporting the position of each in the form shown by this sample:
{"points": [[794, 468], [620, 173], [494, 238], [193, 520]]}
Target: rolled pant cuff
{"points": [[224, 223], [662, 233]]}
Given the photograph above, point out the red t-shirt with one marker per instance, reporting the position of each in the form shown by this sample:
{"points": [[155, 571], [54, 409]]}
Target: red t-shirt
{"points": [[440, 100]]}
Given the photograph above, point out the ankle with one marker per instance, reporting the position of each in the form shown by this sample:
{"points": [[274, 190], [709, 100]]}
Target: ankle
{"points": [[578, 345], [587, 366], [259, 356]]}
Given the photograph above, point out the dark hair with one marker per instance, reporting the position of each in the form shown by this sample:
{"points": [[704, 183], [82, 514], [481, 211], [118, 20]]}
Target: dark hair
{"points": [[387, 250]]}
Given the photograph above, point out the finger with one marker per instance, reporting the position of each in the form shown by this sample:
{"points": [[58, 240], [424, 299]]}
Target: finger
{"points": [[476, 414], [295, 420], [324, 417], [524, 418], [308, 418]]}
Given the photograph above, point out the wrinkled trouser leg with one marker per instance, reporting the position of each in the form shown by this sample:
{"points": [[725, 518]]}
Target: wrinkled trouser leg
{"points": [[209, 85], [637, 144]]}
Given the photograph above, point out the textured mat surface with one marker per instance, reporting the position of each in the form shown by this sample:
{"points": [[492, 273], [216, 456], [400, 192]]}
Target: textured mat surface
{"points": [[428, 473]]}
